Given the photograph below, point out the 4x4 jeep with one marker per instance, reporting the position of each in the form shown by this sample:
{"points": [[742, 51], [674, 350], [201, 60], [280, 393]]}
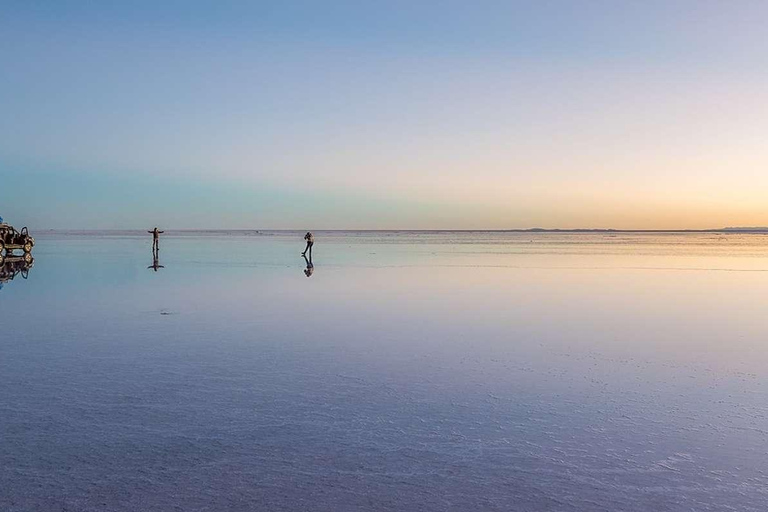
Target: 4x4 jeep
{"points": [[10, 240]]}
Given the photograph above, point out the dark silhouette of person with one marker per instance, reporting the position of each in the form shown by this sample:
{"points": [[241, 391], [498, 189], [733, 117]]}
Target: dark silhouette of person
{"points": [[156, 261], [155, 239], [310, 238], [310, 267]]}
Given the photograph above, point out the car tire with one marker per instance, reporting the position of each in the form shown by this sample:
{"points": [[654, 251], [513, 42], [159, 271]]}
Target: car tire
{"points": [[27, 247]]}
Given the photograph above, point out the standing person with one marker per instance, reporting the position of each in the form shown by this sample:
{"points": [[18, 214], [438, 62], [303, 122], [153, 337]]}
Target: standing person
{"points": [[155, 239], [310, 238]]}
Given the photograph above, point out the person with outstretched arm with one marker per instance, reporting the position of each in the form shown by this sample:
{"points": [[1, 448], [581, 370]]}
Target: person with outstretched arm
{"points": [[155, 239]]}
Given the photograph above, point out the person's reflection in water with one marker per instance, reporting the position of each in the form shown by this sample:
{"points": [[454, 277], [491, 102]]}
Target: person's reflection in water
{"points": [[155, 260], [310, 267]]}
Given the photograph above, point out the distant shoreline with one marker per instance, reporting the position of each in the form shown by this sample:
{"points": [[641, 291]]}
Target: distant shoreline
{"points": [[737, 230]]}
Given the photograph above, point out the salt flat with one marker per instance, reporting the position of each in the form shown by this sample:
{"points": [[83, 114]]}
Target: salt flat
{"points": [[409, 371]]}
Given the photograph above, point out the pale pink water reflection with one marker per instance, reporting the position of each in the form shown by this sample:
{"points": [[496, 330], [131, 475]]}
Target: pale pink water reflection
{"points": [[453, 371]]}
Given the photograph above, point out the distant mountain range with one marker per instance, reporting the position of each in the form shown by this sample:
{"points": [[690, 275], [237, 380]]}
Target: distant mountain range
{"points": [[756, 229], [748, 230]]}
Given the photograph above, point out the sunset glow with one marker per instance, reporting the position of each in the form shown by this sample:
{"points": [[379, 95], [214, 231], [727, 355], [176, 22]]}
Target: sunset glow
{"points": [[500, 115]]}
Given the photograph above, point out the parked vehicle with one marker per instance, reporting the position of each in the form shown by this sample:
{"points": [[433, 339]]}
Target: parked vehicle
{"points": [[11, 240]]}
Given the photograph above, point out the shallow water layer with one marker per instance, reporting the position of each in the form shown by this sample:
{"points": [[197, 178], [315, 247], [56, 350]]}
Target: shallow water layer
{"points": [[403, 371]]}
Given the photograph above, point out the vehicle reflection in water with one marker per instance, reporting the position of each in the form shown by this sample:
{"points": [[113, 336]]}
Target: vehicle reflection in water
{"points": [[12, 266]]}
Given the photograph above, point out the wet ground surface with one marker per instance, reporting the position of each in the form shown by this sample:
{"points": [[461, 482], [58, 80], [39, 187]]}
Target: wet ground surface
{"points": [[467, 371]]}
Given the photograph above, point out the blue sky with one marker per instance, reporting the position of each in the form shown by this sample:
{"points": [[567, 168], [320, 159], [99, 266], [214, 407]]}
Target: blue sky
{"points": [[383, 114]]}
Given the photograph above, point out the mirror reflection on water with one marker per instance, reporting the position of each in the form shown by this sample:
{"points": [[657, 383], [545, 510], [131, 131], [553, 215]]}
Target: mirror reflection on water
{"points": [[455, 371]]}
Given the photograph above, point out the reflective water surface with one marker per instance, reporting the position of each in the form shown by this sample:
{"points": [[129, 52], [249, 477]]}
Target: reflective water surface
{"points": [[395, 371]]}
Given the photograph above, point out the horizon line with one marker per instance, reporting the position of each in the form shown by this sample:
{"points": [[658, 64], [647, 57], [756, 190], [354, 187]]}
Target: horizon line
{"points": [[746, 230]]}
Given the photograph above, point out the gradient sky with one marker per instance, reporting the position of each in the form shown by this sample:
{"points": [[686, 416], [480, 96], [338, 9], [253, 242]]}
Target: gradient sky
{"points": [[388, 114]]}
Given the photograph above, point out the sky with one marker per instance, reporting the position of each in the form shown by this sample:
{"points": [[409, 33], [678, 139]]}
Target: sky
{"points": [[384, 115]]}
